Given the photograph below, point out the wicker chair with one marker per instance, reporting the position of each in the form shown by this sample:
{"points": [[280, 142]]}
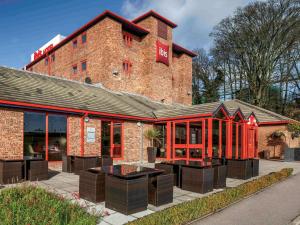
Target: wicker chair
{"points": [[126, 196], [169, 169], [239, 169], [11, 171], [160, 189], [84, 163], [92, 186], [197, 180], [105, 161], [220, 176], [38, 170]]}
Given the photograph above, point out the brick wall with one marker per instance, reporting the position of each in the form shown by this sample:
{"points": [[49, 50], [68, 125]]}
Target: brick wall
{"points": [[12, 135], [105, 52], [276, 147], [93, 148], [74, 135], [132, 142]]}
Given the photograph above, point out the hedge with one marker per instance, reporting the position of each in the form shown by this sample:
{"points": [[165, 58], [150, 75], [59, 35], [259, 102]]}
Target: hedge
{"points": [[30, 205], [192, 210]]}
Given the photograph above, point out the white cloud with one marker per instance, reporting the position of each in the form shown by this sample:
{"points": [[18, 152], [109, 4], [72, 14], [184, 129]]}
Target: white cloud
{"points": [[195, 18]]}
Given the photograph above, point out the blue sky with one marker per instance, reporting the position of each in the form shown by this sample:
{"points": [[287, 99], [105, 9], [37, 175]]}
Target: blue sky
{"points": [[26, 25]]}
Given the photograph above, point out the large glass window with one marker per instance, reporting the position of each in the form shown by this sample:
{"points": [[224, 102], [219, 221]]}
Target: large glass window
{"points": [[117, 140], [240, 130], [161, 143], [216, 138], [196, 132], [105, 138], [224, 135], [234, 144], [57, 137], [180, 133], [34, 134]]}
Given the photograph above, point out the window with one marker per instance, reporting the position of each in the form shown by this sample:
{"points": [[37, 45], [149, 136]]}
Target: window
{"points": [[74, 69], [83, 66], [46, 61], [75, 44], [53, 58], [127, 39], [127, 66], [162, 30], [83, 38]]}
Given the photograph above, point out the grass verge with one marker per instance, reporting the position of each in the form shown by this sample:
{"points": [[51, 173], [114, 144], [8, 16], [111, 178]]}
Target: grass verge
{"points": [[192, 210], [30, 205]]}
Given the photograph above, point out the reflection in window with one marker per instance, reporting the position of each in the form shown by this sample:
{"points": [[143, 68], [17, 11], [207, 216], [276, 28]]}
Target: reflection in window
{"points": [[34, 134], [215, 138], [180, 152], [196, 132], [180, 133], [57, 137], [161, 143], [105, 138], [224, 142], [117, 133], [195, 153]]}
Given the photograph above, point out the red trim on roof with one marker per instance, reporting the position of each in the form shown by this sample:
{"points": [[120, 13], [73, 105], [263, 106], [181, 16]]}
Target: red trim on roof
{"points": [[178, 49], [156, 15], [274, 122], [127, 25]]}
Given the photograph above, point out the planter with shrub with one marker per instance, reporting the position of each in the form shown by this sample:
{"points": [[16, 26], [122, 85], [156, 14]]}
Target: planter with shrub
{"points": [[152, 135]]}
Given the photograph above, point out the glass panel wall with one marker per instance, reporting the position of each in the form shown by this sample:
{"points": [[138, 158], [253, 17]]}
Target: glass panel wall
{"points": [[117, 140], [57, 137], [234, 144], [224, 135], [196, 132], [35, 134], [180, 133], [216, 138], [161, 143], [105, 138]]}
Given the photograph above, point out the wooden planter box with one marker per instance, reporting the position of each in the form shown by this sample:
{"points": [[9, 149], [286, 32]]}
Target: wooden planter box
{"points": [[292, 154], [92, 186], [11, 171], [197, 180], [126, 196], [220, 172], [68, 163], [169, 169], [239, 169], [160, 189]]}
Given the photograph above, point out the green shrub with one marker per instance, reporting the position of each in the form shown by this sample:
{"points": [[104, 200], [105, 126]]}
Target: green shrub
{"points": [[189, 211], [31, 205]]}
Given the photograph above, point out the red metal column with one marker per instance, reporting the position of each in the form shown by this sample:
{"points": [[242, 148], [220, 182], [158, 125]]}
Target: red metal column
{"points": [[220, 138], [111, 138], [68, 136], [47, 138], [82, 136], [188, 140], [122, 140], [237, 141], [168, 140], [203, 138], [229, 139], [210, 136]]}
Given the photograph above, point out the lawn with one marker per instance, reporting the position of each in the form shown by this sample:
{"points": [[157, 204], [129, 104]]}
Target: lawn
{"points": [[29, 205]]}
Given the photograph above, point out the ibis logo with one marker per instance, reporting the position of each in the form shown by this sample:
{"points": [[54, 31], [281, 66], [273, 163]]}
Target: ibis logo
{"points": [[162, 53]]}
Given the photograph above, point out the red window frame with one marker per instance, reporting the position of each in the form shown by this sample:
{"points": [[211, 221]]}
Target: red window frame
{"points": [[82, 35], [74, 43], [81, 68], [128, 39], [74, 71], [127, 67]]}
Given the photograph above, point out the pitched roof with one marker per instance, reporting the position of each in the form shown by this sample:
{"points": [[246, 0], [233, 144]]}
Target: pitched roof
{"points": [[28, 87], [262, 115], [179, 49], [156, 15]]}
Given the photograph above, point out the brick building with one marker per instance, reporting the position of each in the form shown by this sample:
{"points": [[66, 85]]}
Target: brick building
{"points": [[98, 90], [136, 56]]}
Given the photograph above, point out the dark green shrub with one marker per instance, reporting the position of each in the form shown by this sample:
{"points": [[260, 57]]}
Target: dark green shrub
{"points": [[189, 211], [26, 205]]}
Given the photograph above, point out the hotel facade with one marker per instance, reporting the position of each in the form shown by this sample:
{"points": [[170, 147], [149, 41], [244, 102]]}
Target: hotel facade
{"points": [[99, 89]]}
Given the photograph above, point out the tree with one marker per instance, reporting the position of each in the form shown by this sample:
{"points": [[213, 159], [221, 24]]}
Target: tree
{"points": [[207, 79], [250, 47]]}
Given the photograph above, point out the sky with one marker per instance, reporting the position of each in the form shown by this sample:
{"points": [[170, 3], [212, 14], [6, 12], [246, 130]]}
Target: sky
{"points": [[26, 25]]}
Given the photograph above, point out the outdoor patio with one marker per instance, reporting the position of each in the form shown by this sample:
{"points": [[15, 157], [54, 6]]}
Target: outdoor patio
{"points": [[66, 184]]}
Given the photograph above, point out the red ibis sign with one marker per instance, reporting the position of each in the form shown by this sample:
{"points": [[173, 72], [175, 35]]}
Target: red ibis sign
{"points": [[39, 53], [162, 53]]}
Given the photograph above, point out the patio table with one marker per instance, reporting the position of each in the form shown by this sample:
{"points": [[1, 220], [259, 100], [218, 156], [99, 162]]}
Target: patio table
{"points": [[126, 187]]}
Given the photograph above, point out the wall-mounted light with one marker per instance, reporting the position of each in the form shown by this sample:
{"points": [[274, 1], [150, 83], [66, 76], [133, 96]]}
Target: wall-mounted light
{"points": [[86, 119]]}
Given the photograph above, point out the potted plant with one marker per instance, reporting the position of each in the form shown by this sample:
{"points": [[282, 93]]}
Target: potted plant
{"points": [[276, 138], [294, 129], [152, 135]]}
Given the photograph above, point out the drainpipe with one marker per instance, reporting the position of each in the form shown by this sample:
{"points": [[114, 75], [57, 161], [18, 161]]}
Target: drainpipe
{"points": [[141, 126]]}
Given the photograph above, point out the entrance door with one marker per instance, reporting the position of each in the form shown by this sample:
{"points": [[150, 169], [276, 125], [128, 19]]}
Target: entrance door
{"points": [[111, 139], [188, 140]]}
